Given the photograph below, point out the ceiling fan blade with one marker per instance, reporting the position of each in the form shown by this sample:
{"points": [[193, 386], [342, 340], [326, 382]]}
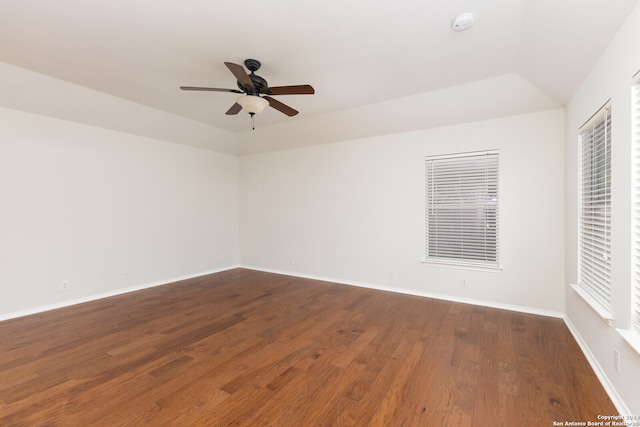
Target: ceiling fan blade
{"points": [[235, 109], [283, 108], [210, 89], [289, 90], [240, 74]]}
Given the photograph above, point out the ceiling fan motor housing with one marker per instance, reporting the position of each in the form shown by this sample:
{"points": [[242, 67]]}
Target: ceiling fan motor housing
{"points": [[253, 65]]}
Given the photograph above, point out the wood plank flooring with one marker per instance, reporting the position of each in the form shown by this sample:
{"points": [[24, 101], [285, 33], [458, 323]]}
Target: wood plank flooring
{"points": [[257, 349]]}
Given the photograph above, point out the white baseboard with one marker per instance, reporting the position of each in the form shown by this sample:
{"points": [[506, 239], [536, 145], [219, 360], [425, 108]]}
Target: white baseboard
{"points": [[68, 303], [40, 309], [489, 304], [597, 369]]}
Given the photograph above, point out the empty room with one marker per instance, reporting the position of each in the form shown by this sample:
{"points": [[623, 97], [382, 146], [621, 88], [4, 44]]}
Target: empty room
{"points": [[305, 213]]}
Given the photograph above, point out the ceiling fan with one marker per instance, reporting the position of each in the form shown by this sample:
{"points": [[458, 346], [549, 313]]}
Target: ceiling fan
{"points": [[256, 91]]}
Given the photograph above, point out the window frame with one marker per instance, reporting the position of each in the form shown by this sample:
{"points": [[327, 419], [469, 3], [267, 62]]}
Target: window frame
{"points": [[635, 133], [632, 333], [480, 243], [594, 211]]}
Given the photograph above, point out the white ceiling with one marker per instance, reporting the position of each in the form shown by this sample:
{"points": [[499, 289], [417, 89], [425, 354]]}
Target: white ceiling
{"points": [[354, 52]]}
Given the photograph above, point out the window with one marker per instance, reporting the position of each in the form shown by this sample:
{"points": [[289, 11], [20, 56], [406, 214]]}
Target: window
{"points": [[594, 271], [462, 208], [636, 201]]}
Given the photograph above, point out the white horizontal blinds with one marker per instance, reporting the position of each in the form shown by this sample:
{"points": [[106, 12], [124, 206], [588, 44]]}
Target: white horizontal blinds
{"points": [[595, 208], [636, 201], [462, 208]]}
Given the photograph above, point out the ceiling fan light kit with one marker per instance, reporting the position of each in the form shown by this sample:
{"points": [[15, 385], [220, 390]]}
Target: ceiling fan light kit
{"points": [[252, 104], [252, 86]]}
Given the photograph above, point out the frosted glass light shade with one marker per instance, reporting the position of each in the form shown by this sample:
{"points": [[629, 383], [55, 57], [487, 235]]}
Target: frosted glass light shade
{"points": [[252, 104]]}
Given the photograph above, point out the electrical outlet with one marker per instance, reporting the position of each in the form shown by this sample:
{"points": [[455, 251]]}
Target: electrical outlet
{"points": [[616, 360], [292, 260], [463, 283], [125, 276], [64, 285]]}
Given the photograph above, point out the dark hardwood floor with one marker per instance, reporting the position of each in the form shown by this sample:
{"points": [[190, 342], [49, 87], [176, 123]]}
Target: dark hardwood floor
{"points": [[258, 349]]}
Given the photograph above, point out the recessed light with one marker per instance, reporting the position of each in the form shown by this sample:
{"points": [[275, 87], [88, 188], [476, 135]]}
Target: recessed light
{"points": [[462, 22]]}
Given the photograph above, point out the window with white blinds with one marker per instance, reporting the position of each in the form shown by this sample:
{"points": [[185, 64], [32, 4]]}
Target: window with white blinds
{"points": [[636, 201], [462, 208], [594, 273]]}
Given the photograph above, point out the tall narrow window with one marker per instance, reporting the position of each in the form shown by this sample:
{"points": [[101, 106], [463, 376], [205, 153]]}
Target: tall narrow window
{"points": [[462, 208], [636, 202], [594, 274]]}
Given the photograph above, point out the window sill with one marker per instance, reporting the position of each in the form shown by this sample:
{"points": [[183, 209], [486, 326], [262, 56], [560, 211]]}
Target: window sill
{"points": [[604, 314], [462, 265], [632, 337]]}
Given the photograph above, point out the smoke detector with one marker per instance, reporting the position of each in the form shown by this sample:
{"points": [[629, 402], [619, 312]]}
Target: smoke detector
{"points": [[462, 22]]}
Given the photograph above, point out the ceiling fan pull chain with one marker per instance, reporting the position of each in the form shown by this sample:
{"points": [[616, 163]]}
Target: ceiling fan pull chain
{"points": [[253, 125]]}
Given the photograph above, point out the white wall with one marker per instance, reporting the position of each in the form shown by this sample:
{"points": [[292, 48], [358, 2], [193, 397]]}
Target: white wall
{"points": [[610, 78], [354, 211], [89, 205]]}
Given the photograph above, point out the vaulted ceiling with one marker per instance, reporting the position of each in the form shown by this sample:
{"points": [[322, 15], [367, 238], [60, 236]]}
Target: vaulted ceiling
{"points": [[354, 52]]}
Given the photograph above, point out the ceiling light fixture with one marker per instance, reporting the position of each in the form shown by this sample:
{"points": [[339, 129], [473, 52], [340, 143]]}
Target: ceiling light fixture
{"points": [[462, 22], [252, 104]]}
